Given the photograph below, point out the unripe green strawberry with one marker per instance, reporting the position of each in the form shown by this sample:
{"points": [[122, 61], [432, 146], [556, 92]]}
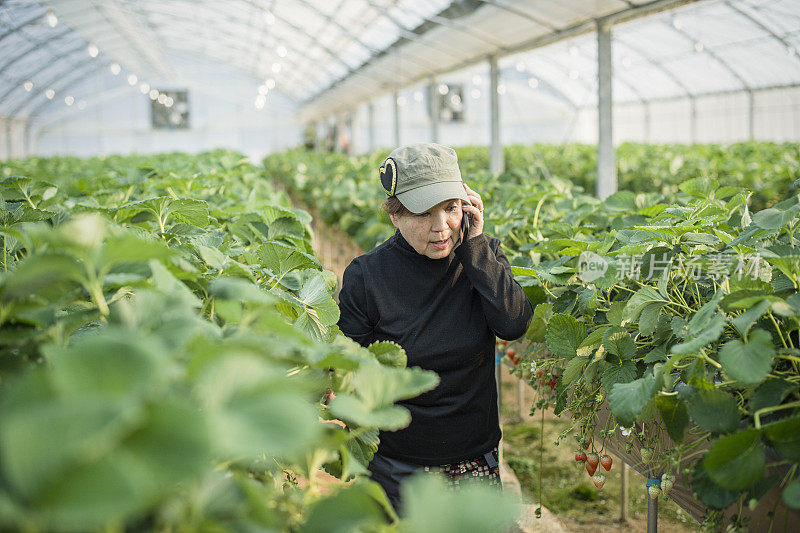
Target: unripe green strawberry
{"points": [[647, 454], [599, 480], [667, 481], [653, 491]]}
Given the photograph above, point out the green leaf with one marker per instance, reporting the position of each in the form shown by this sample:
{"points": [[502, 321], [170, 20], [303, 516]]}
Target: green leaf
{"points": [[357, 506], [791, 494], [702, 187], [281, 258], [709, 492], [736, 461], [713, 410], [618, 341], [750, 362], [350, 409], [389, 353], [574, 368], [648, 320], [191, 211], [319, 308], [474, 507], [616, 312], [564, 335], [675, 416], [772, 218], [624, 373], [592, 341], [745, 320], [770, 393], [700, 339], [380, 385], [784, 436], [627, 400], [642, 298], [659, 353]]}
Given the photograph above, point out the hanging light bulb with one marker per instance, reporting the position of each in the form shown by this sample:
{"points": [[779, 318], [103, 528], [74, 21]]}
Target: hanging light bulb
{"points": [[626, 61], [144, 88], [401, 101], [520, 66], [169, 101], [698, 46], [501, 89], [676, 24], [115, 68], [162, 98], [262, 89], [153, 94], [444, 89], [476, 80], [533, 83], [269, 18], [28, 85], [417, 96], [132, 79], [93, 50], [69, 100], [276, 67], [281, 51], [270, 83], [49, 93], [51, 18], [475, 93]]}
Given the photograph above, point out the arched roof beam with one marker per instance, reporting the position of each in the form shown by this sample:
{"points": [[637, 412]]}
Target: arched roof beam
{"points": [[36, 45], [406, 34], [67, 82], [313, 67], [21, 25], [658, 66], [470, 6], [54, 60], [372, 51], [786, 44], [745, 86], [506, 6], [544, 82]]}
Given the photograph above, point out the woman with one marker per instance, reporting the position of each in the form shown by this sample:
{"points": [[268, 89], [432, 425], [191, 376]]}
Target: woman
{"points": [[443, 296]]}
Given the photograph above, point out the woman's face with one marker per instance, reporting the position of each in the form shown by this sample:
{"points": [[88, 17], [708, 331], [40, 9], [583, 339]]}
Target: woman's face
{"points": [[433, 233]]}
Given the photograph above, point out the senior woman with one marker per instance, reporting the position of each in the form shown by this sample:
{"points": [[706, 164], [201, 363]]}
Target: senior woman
{"points": [[443, 296]]}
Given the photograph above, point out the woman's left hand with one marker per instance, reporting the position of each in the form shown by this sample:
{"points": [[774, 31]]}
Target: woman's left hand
{"points": [[475, 213]]}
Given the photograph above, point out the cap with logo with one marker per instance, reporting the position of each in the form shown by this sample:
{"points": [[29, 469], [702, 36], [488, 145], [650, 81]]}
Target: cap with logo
{"points": [[422, 175]]}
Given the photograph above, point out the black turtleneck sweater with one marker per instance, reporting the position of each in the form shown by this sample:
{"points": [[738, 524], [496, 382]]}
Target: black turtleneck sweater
{"points": [[445, 313]]}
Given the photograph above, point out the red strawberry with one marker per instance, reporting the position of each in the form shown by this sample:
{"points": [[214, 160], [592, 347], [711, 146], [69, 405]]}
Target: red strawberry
{"points": [[580, 457], [599, 481], [592, 460], [606, 462], [591, 469], [511, 352], [583, 457]]}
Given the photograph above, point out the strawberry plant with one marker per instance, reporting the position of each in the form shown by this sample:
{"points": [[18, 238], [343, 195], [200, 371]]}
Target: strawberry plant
{"points": [[169, 358]]}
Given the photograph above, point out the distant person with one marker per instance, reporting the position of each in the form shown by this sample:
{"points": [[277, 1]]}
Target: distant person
{"points": [[441, 289]]}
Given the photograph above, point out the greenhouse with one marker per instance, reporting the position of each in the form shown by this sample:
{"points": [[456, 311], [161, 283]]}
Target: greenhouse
{"points": [[400, 265]]}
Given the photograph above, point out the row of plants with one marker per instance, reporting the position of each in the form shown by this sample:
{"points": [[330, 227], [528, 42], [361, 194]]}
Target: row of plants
{"points": [[676, 311], [169, 360], [342, 187]]}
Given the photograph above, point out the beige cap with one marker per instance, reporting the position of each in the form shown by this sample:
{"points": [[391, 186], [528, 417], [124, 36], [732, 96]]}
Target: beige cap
{"points": [[422, 175]]}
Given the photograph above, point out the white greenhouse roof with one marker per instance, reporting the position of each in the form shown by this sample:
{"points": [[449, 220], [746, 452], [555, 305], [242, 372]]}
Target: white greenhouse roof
{"points": [[332, 55]]}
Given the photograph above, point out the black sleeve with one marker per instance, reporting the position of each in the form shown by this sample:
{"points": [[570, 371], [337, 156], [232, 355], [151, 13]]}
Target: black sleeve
{"points": [[353, 318], [508, 310]]}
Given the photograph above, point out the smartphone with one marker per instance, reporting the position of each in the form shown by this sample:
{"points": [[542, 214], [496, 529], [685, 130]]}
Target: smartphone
{"points": [[465, 225]]}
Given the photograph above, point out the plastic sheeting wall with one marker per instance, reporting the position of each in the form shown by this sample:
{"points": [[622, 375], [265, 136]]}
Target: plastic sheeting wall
{"points": [[117, 118], [12, 138]]}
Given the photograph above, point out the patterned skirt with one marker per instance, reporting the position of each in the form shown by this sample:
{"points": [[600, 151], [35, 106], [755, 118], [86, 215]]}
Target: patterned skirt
{"points": [[483, 470]]}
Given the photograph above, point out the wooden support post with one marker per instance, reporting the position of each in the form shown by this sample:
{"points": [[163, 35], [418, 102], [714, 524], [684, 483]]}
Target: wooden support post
{"points": [[623, 496]]}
